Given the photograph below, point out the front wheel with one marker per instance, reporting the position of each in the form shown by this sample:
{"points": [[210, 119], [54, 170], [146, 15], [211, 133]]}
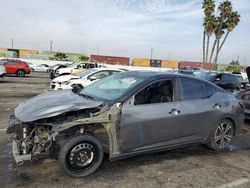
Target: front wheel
{"points": [[77, 88], [221, 135], [20, 73], [81, 156]]}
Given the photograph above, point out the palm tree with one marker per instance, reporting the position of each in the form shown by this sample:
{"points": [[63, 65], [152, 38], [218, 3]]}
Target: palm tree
{"points": [[225, 9], [232, 22], [216, 24], [209, 27], [208, 6]]}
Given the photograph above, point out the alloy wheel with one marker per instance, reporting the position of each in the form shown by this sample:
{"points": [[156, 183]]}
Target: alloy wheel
{"points": [[223, 134]]}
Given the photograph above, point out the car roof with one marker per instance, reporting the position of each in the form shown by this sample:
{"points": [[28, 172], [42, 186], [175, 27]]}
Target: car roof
{"points": [[104, 68], [156, 74]]}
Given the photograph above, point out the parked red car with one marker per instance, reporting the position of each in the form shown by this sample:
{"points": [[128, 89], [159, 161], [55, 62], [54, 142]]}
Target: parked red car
{"points": [[20, 68]]}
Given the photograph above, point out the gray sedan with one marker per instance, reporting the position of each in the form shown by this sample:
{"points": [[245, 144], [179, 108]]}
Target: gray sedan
{"points": [[124, 115]]}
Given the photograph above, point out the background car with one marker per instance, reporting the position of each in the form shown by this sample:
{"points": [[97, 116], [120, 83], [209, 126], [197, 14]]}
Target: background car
{"points": [[2, 71], [227, 81], [82, 79], [245, 95], [38, 68], [52, 70], [20, 68], [74, 68]]}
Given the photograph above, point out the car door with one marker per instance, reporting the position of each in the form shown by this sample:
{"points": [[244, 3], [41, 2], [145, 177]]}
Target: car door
{"points": [[197, 110], [146, 125], [231, 82], [11, 67]]}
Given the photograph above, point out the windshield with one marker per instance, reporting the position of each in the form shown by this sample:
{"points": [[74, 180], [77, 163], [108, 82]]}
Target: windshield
{"points": [[206, 75], [72, 65], [85, 73], [112, 87]]}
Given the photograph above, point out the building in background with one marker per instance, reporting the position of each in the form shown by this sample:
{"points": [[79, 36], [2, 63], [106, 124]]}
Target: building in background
{"points": [[17, 53]]}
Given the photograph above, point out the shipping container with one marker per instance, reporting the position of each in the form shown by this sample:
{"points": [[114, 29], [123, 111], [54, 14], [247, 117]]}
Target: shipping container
{"points": [[141, 62], [169, 64], [208, 66], [155, 63], [109, 59]]}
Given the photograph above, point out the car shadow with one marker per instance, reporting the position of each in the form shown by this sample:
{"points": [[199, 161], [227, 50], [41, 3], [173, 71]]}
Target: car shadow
{"points": [[166, 161]]}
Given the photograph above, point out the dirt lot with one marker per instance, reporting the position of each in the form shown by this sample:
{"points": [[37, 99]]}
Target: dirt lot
{"points": [[193, 166]]}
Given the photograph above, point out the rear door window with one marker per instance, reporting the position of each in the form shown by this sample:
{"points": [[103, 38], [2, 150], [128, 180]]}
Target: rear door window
{"points": [[210, 90], [228, 78], [192, 89]]}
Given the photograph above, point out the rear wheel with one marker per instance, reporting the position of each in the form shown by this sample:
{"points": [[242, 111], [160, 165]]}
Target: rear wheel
{"points": [[20, 73], [221, 135], [81, 156]]}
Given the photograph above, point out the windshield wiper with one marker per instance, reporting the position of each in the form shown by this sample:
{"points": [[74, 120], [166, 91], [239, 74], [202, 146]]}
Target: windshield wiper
{"points": [[86, 96]]}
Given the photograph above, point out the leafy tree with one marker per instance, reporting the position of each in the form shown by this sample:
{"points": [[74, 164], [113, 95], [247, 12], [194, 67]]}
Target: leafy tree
{"points": [[83, 58], [233, 68], [60, 56], [234, 62]]}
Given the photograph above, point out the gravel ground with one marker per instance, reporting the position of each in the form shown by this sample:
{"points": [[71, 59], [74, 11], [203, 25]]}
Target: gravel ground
{"points": [[193, 166]]}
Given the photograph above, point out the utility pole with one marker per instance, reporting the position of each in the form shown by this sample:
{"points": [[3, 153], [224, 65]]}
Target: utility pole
{"points": [[97, 50], [51, 45], [151, 54], [12, 43]]}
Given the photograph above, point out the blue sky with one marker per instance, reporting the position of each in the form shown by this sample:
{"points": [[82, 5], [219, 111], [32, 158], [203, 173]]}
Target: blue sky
{"points": [[119, 27]]}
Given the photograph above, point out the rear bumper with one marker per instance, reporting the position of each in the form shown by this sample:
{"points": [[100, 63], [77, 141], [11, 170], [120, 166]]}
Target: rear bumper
{"points": [[19, 158]]}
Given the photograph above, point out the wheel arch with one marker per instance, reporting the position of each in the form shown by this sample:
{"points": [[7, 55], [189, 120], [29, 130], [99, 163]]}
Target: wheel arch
{"points": [[20, 69], [97, 130]]}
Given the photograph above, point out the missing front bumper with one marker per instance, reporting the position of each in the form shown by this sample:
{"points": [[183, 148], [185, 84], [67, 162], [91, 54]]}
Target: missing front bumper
{"points": [[19, 158]]}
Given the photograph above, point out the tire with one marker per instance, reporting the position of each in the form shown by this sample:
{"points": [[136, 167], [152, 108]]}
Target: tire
{"points": [[221, 135], [77, 88], [81, 156], [32, 70], [20, 73]]}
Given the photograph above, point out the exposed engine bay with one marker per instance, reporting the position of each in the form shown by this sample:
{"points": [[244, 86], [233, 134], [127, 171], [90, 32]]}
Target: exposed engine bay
{"points": [[34, 139]]}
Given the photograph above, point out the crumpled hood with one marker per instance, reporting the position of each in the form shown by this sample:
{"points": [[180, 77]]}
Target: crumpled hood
{"points": [[65, 78], [51, 104]]}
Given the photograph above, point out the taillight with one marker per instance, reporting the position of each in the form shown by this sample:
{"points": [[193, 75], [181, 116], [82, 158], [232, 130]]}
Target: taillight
{"points": [[242, 104]]}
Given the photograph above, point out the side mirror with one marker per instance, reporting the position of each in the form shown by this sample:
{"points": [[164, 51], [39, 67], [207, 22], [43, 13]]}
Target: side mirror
{"points": [[92, 78]]}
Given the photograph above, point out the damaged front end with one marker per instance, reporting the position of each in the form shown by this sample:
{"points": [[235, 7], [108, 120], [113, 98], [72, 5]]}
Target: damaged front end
{"points": [[29, 141], [39, 135]]}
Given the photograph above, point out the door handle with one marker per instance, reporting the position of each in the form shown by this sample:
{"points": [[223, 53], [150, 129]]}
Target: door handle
{"points": [[174, 112], [217, 106]]}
